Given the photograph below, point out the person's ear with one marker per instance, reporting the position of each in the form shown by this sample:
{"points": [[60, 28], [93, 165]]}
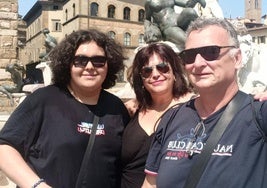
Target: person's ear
{"points": [[237, 55]]}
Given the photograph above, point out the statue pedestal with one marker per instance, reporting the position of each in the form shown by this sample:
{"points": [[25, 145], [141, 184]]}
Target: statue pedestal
{"points": [[29, 88], [5, 104]]}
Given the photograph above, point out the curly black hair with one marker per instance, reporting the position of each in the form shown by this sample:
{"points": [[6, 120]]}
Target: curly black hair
{"points": [[63, 54]]}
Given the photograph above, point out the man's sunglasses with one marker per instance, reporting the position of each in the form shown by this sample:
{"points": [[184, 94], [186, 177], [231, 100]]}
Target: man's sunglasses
{"points": [[146, 71], [209, 53], [82, 61]]}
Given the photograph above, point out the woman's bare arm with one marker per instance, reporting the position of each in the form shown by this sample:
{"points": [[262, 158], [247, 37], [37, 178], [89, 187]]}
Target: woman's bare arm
{"points": [[14, 166], [149, 182]]}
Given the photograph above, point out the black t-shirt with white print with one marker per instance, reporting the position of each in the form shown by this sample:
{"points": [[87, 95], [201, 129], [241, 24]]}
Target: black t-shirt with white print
{"points": [[238, 161], [51, 130]]}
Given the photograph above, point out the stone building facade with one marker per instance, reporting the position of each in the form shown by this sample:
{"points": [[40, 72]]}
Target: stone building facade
{"points": [[8, 35], [253, 10], [253, 21], [121, 19]]}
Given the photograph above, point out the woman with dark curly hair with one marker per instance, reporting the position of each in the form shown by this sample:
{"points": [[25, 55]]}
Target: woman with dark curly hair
{"points": [[43, 143], [159, 83]]}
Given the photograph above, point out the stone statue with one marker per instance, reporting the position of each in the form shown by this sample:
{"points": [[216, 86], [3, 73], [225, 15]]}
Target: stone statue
{"points": [[163, 23], [252, 75], [17, 74], [212, 9], [50, 43]]}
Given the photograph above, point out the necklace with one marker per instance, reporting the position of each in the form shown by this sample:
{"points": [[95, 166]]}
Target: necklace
{"points": [[164, 106], [85, 99], [74, 95]]}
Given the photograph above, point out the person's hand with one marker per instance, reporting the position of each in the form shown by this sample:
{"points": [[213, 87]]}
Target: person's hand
{"points": [[261, 96], [131, 106]]}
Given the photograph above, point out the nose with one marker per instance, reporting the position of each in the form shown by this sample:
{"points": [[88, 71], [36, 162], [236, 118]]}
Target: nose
{"points": [[199, 61], [155, 73], [89, 65]]}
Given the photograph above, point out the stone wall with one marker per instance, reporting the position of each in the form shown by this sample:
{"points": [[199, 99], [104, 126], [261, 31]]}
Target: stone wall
{"points": [[8, 44], [8, 35]]}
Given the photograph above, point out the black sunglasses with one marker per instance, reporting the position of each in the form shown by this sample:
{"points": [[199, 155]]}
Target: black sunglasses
{"points": [[82, 61], [209, 53], [146, 71]]}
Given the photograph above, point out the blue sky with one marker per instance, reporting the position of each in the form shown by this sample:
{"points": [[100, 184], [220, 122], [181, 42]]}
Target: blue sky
{"points": [[231, 8]]}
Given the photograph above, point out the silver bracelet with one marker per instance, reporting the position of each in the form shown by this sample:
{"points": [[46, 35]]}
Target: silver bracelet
{"points": [[38, 183]]}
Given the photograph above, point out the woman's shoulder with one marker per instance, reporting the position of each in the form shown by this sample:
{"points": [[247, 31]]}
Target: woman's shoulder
{"points": [[47, 90], [46, 93], [110, 97]]}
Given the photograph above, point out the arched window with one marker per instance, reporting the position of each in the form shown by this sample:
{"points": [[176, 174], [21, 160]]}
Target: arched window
{"points": [[74, 10], [126, 13], [141, 39], [127, 39], [111, 11], [111, 34], [141, 15], [94, 9]]}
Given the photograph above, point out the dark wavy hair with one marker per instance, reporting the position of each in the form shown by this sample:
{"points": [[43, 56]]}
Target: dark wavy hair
{"points": [[166, 53], [63, 54]]}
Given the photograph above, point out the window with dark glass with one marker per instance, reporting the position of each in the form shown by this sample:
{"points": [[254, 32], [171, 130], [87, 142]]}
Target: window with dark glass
{"points": [[261, 39], [66, 14], [55, 7], [74, 10], [111, 11], [126, 13], [56, 25], [94, 9], [141, 15]]}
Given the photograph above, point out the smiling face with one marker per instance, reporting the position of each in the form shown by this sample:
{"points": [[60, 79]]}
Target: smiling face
{"points": [[158, 82], [88, 78], [221, 72]]}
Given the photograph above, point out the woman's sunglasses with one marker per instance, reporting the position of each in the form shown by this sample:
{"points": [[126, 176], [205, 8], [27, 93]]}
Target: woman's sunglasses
{"points": [[209, 53], [146, 71], [82, 61]]}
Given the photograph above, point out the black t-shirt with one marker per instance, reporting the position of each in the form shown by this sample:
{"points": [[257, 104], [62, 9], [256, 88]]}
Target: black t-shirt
{"points": [[238, 161], [135, 148], [51, 130]]}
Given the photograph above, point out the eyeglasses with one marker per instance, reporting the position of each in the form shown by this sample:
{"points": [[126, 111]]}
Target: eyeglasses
{"points": [[82, 61], [146, 71], [209, 53]]}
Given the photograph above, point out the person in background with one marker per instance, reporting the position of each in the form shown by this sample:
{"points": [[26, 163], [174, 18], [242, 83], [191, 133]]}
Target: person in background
{"points": [[44, 141], [211, 58], [159, 83]]}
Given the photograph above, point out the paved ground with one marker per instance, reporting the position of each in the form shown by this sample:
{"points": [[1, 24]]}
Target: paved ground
{"points": [[5, 182]]}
